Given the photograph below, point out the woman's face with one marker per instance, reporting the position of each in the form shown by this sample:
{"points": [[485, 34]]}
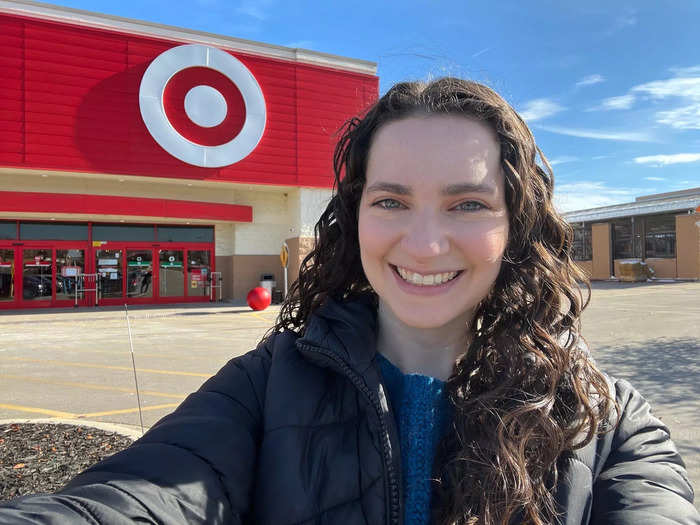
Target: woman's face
{"points": [[433, 222]]}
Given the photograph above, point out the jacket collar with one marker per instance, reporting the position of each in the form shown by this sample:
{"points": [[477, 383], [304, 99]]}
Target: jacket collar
{"points": [[347, 329]]}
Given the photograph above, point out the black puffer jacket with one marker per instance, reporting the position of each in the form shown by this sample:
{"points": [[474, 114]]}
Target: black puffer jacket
{"points": [[299, 431]]}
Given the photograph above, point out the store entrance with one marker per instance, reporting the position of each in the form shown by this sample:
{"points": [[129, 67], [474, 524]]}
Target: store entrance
{"points": [[166, 273], [41, 274]]}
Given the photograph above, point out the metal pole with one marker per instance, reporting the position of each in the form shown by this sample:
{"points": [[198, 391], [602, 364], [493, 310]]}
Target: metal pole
{"points": [[133, 365], [286, 288]]}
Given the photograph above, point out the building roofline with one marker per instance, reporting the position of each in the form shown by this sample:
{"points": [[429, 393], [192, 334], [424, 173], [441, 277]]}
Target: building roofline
{"points": [[634, 208], [658, 196], [80, 17]]}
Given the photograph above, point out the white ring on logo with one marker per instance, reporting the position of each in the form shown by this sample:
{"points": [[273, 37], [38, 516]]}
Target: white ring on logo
{"points": [[171, 62]]}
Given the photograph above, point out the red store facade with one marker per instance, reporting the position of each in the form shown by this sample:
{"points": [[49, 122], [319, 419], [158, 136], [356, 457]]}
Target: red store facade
{"points": [[137, 160]]}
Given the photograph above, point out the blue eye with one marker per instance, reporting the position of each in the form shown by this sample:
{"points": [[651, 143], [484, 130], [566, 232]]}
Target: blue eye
{"points": [[470, 206], [388, 204]]}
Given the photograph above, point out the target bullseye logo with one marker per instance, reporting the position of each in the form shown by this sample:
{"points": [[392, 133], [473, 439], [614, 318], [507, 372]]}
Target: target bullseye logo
{"points": [[202, 106]]}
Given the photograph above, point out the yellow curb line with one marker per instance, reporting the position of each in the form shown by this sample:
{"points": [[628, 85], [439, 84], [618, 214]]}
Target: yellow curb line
{"points": [[32, 410], [91, 386], [69, 415], [106, 367], [128, 410]]}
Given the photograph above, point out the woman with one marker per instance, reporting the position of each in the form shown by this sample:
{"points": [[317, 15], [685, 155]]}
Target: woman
{"points": [[427, 364]]}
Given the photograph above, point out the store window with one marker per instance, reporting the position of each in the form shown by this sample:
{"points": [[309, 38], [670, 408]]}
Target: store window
{"points": [[70, 265], [122, 232], [660, 236], [199, 272], [37, 270], [7, 274], [139, 268], [185, 233], [8, 230], [623, 245], [108, 265], [583, 243], [49, 231], [171, 277]]}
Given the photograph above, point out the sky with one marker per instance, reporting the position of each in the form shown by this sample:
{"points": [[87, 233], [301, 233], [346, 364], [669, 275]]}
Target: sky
{"points": [[610, 89]]}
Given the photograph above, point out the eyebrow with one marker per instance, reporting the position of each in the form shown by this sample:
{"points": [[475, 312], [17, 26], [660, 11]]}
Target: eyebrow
{"points": [[450, 190]]}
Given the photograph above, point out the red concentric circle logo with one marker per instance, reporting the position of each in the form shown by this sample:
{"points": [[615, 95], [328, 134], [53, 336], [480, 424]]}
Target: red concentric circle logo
{"points": [[202, 106]]}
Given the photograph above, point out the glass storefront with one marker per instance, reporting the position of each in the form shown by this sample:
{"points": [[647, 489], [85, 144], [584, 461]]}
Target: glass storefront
{"points": [[7, 275], [108, 266], [70, 265], [171, 273], [139, 273], [198, 272], [59, 263], [37, 270]]}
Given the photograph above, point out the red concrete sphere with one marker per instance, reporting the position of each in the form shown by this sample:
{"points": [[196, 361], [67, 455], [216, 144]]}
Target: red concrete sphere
{"points": [[259, 298]]}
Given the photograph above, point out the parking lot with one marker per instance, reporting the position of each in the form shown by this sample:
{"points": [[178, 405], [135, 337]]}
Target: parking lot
{"points": [[78, 364]]}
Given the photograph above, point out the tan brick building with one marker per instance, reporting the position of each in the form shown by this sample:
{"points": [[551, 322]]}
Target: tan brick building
{"points": [[663, 230]]}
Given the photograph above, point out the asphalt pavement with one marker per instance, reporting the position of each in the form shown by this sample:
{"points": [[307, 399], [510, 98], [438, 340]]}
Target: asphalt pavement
{"points": [[78, 364]]}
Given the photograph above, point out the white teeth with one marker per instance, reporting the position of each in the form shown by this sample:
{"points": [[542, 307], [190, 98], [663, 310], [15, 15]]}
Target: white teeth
{"points": [[433, 279]]}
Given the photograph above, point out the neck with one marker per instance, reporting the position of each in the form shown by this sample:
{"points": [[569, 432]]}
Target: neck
{"points": [[426, 351]]}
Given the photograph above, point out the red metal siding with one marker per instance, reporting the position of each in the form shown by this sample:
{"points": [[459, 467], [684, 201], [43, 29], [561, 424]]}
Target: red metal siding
{"points": [[69, 101]]}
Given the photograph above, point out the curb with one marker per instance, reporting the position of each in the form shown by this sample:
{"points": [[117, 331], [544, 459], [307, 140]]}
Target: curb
{"points": [[123, 430]]}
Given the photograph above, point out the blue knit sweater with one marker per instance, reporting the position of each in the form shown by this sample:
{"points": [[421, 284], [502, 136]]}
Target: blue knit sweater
{"points": [[422, 415]]}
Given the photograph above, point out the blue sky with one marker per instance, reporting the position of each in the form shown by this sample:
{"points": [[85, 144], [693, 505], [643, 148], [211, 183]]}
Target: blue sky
{"points": [[611, 89]]}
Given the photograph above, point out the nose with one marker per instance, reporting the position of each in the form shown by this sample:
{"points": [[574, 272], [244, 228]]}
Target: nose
{"points": [[425, 237]]}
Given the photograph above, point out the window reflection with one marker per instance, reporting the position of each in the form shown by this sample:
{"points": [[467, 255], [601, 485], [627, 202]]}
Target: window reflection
{"points": [[36, 275]]}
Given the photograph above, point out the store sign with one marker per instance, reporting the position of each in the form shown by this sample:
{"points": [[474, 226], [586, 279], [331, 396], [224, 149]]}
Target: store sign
{"points": [[187, 97]]}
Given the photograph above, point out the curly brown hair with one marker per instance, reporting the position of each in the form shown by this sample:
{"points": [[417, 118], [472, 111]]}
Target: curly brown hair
{"points": [[525, 392]]}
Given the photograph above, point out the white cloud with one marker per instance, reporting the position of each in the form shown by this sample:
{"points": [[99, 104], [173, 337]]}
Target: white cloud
{"points": [[624, 136], [563, 160], [539, 109], [590, 80], [665, 160], [685, 71], [305, 44], [612, 103], [655, 179], [586, 194], [687, 117], [685, 86], [481, 52]]}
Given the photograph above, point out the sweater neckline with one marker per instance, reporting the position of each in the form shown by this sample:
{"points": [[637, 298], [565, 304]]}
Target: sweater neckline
{"points": [[396, 371]]}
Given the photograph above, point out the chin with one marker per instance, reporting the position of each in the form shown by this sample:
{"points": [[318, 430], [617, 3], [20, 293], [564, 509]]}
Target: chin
{"points": [[427, 319]]}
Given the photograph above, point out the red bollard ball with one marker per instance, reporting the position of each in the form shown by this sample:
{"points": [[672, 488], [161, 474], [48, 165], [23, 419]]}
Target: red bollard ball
{"points": [[259, 298]]}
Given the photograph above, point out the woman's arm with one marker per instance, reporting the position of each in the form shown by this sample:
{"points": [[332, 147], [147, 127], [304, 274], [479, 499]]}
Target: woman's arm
{"points": [[195, 465], [643, 481]]}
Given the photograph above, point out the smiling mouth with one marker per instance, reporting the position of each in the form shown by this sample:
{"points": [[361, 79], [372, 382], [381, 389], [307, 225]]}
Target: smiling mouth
{"points": [[417, 279]]}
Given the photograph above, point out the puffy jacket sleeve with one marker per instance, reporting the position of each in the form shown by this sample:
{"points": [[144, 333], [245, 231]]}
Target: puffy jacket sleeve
{"points": [[643, 480], [195, 465]]}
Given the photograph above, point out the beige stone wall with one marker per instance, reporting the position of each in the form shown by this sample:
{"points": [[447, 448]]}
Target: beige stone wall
{"points": [[247, 270], [688, 246], [663, 268], [299, 247], [224, 264], [120, 185], [601, 251]]}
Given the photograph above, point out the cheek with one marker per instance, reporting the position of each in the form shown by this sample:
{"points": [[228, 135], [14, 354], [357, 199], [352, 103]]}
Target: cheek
{"points": [[486, 244], [376, 236]]}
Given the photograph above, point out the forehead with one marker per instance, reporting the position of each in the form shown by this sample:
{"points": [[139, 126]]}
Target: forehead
{"points": [[442, 149]]}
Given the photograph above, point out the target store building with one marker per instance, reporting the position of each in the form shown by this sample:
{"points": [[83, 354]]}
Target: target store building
{"points": [[138, 160]]}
